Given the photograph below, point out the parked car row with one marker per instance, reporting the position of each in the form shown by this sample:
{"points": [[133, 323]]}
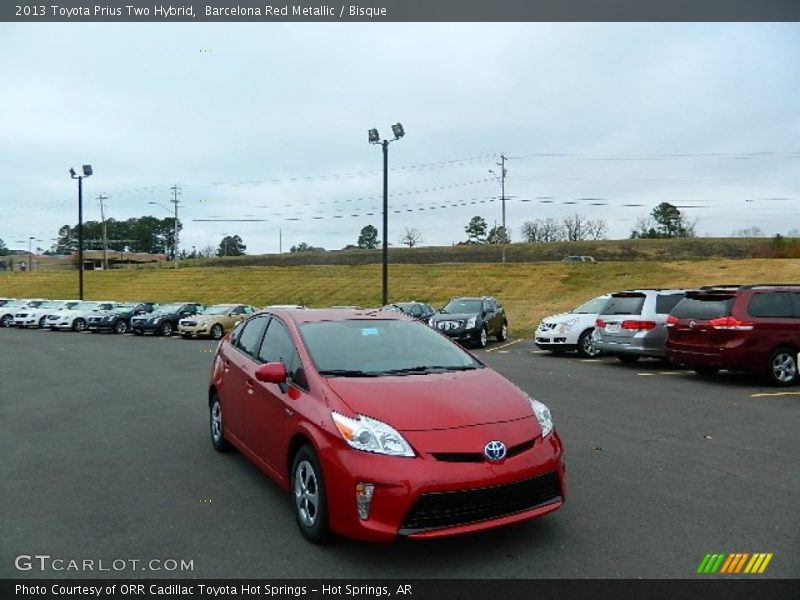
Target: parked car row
{"points": [[188, 319], [751, 328]]}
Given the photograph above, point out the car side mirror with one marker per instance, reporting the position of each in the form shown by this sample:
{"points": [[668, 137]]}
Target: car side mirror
{"points": [[273, 372]]}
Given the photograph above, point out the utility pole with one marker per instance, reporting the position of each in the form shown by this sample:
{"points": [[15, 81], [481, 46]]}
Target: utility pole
{"points": [[175, 189], [280, 240], [502, 165], [101, 197]]}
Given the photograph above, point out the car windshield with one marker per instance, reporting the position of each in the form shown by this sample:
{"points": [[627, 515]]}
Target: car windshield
{"points": [[461, 305], [168, 309], [703, 307], [381, 347], [592, 307], [220, 309], [623, 305], [50, 304], [36, 303], [118, 308], [14, 304]]}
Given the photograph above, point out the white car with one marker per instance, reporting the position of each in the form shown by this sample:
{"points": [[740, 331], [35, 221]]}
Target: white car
{"points": [[75, 318], [35, 316], [572, 330]]}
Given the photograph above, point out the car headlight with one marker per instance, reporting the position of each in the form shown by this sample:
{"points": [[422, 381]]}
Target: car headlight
{"points": [[371, 435], [155, 320], [205, 323], [471, 322], [542, 415], [430, 322]]}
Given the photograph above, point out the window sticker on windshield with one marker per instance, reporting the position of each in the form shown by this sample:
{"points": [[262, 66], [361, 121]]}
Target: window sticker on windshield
{"points": [[365, 331]]}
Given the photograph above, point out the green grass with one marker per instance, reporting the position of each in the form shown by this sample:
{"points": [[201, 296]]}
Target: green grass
{"points": [[528, 291]]}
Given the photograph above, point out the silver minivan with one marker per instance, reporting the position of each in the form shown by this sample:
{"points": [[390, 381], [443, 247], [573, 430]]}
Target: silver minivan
{"points": [[632, 324]]}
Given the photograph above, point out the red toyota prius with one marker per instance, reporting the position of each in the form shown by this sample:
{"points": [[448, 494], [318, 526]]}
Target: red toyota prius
{"points": [[378, 426]]}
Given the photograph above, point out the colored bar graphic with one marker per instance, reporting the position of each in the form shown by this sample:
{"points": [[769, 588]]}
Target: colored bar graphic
{"points": [[734, 563]]}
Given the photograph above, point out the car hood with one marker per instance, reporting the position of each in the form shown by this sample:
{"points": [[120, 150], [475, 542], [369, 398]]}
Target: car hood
{"points": [[430, 402], [453, 316]]}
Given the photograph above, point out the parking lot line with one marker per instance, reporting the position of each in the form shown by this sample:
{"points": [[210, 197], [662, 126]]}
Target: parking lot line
{"points": [[645, 374], [761, 394], [505, 345]]}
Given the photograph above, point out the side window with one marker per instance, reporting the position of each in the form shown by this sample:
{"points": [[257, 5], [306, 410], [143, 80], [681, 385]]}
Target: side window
{"points": [[665, 303], [239, 310], [796, 297], [279, 347], [249, 335], [416, 310], [776, 305]]}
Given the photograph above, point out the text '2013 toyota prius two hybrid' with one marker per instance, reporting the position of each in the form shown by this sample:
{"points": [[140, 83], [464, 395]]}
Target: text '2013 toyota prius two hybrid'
{"points": [[379, 426]]}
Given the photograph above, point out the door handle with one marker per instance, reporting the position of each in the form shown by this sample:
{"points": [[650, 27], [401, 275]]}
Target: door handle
{"points": [[249, 383]]}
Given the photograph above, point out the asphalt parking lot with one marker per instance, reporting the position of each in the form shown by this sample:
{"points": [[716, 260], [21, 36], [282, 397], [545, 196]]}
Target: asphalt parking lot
{"points": [[106, 456]]}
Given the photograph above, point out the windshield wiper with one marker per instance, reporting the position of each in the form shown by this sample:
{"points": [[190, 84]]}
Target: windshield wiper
{"points": [[429, 369], [347, 373]]}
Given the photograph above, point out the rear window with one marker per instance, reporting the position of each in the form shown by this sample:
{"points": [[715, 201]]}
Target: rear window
{"points": [[666, 302], [624, 305], [778, 304], [703, 308]]}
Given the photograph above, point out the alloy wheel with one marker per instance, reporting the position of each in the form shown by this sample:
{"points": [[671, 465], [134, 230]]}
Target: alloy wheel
{"points": [[784, 367], [306, 493], [216, 421], [120, 326]]}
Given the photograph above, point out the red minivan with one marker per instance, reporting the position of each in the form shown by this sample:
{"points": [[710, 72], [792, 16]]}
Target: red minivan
{"points": [[754, 328], [378, 426]]}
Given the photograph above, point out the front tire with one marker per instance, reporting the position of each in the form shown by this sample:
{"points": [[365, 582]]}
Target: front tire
{"points": [[483, 338], [217, 332], [120, 327], [6, 321], [502, 335], [586, 347], [215, 422], [42, 322], [782, 368], [308, 496], [166, 329], [79, 324]]}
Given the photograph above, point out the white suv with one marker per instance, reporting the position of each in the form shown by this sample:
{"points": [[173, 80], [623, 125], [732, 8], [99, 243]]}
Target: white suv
{"points": [[571, 330], [75, 318]]}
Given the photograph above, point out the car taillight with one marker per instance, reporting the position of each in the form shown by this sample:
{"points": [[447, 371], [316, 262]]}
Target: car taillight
{"points": [[600, 323], [638, 325], [672, 321], [730, 323]]}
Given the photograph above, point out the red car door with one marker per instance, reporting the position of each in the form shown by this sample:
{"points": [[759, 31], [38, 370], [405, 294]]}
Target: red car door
{"points": [[238, 360], [274, 405]]}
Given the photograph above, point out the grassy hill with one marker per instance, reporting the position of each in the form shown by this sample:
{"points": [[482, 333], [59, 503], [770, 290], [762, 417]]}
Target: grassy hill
{"points": [[528, 291]]}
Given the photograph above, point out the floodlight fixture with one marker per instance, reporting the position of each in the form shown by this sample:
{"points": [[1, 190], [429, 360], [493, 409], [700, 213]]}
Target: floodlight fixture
{"points": [[398, 131], [374, 136], [72, 173], [87, 170]]}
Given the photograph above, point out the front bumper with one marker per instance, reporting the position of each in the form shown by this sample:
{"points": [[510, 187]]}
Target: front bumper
{"points": [[100, 325], [146, 326], [25, 321], [462, 335], [197, 330], [423, 497]]}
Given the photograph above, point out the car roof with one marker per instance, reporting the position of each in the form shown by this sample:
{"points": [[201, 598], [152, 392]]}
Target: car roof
{"points": [[316, 315]]}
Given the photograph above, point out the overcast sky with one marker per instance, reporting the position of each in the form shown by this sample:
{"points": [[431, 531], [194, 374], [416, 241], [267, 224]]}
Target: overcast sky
{"points": [[269, 121]]}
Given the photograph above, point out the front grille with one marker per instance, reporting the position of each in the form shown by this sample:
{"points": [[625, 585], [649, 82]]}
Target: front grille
{"points": [[446, 509], [53, 318], [189, 323], [95, 319], [476, 457], [547, 326], [449, 325], [21, 315], [138, 321]]}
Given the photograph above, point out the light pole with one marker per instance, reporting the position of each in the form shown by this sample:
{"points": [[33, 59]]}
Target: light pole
{"points": [[175, 189], [375, 138], [101, 197], [87, 172]]}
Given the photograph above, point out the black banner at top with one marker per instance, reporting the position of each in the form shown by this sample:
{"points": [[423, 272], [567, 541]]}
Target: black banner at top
{"points": [[398, 10]]}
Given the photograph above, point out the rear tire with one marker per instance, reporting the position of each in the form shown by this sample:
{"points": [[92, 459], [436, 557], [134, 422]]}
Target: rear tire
{"points": [[308, 496], [782, 367], [628, 358], [41, 322], [79, 324], [120, 327], [7, 321], [586, 347]]}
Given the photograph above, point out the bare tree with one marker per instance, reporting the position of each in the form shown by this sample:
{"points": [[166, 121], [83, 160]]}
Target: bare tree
{"points": [[207, 251], [597, 229], [574, 228], [748, 232], [411, 237], [543, 230], [531, 232]]}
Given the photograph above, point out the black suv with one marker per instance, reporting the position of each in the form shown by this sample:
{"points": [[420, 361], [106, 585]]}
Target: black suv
{"points": [[164, 320], [472, 320], [118, 319]]}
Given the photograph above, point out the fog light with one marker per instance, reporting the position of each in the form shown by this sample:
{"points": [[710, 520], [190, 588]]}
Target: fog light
{"points": [[364, 499]]}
